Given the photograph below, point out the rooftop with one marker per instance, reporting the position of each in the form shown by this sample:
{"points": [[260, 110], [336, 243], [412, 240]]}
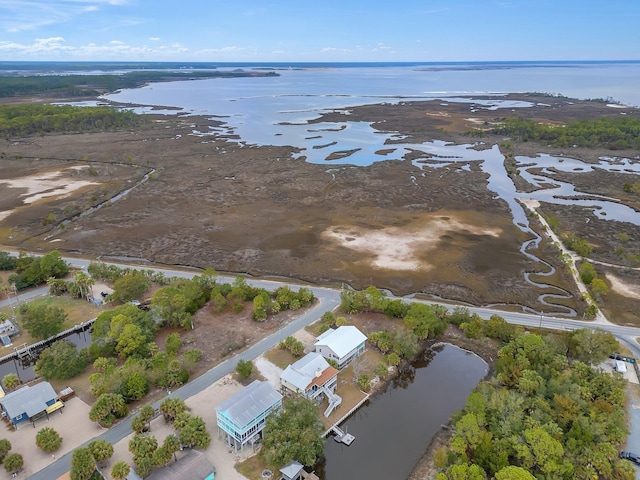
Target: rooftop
{"points": [[310, 369], [250, 402], [342, 340]]}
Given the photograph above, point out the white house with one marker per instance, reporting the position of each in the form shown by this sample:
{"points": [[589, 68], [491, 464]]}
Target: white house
{"points": [[342, 344], [309, 375], [313, 377]]}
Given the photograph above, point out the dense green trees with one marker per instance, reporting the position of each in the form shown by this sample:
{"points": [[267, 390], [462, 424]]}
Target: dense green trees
{"points": [[101, 450], [294, 432], [613, 133], [61, 361], [546, 414], [82, 464], [7, 261], [29, 119], [32, 271], [79, 85], [42, 321], [107, 408]]}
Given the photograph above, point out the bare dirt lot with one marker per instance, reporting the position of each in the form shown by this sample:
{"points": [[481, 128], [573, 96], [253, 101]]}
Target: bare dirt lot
{"points": [[256, 210]]}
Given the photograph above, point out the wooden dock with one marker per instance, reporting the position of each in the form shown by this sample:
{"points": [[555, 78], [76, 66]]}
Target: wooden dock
{"points": [[342, 437]]}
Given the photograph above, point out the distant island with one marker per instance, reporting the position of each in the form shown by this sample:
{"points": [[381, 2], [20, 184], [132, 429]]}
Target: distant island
{"points": [[20, 81]]}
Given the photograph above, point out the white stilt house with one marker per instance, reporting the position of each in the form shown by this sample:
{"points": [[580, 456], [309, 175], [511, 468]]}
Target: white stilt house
{"points": [[342, 344]]}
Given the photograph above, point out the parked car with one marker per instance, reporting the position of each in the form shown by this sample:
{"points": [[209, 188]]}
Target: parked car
{"points": [[631, 457]]}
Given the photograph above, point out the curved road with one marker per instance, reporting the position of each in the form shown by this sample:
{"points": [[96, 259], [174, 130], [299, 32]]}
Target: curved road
{"points": [[329, 298]]}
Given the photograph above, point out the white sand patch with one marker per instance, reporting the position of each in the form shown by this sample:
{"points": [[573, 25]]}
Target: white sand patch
{"points": [[269, 371], [45, 185], [623, 288], [400, 249], [530, 203]]}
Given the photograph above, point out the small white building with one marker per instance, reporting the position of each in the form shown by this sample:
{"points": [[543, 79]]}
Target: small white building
{"points": [[342, 344]]}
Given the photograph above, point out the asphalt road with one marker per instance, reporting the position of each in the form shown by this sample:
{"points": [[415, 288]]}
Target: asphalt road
{"points": [[329, 298]]}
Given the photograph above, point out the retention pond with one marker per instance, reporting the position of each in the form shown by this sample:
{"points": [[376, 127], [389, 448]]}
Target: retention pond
{"points": [[393, 430]]}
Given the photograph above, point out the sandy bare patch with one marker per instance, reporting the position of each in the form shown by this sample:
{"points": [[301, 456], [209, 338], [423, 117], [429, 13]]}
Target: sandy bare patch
{"points": [[401, 248], [268, 370], [623, 288], [54, 184]]}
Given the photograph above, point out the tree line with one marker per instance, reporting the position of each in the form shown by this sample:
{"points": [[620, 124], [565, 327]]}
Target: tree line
{"points": [[35, 118], [63, 86], [612, 133]]}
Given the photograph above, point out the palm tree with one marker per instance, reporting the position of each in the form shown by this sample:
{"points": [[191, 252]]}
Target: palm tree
{"points": [[120, 471]]}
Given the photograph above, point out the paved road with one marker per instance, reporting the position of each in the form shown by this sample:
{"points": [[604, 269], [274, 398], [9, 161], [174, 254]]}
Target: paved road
{"points": [[329, 298]]}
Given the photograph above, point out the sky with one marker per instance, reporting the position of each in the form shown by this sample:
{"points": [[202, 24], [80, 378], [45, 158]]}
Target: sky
{"points": [[319, 31]]}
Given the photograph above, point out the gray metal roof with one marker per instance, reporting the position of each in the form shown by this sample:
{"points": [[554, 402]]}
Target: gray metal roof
{"points": [[29, 400], [291, 469], [342, 340], [301, 373], [192, 466], [250, 402]]}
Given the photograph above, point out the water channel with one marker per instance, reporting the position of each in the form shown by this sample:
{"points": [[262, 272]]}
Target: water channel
{"points": [[23, 367], [394, 428]]}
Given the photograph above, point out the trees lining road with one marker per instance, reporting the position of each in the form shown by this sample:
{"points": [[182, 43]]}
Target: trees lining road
{"points": [[329, 299]]}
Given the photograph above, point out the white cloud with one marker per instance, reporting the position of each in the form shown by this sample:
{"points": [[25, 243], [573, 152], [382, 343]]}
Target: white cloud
{"points": [[154, 39], [25, 15], [47, 48]]}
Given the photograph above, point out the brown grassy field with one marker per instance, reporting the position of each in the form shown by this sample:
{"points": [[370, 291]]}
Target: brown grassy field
{"points": [[407, 228]]}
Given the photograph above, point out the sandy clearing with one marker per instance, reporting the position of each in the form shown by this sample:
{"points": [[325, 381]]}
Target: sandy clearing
{"points": [[55, 184], [269, 371], [400, 249], [73, 425], [203, 405], [623, 288]]}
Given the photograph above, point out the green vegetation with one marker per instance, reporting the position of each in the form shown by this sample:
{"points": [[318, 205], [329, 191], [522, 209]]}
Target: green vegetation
{"points": [[294, 432], [576, 244], [147, 454], [244, 368], [13, 463], [612, 133], [5, 447], [92, 85], [32, 271], [292, 344], [37, 118], [107, 408], [101, 450], [42, 321], [546, 414], [632, 187], [10, 381], [7, 262], [61, 361], [120, 470], [48, 439], [83, 465]]}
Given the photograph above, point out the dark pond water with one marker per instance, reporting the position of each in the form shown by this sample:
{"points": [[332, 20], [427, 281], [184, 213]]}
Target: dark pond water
{"points": [[24, 368], [393, 430]]}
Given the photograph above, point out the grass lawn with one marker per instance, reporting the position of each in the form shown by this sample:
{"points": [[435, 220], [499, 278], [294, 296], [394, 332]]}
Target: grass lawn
{"points": [[281, 357], [77, 311]]}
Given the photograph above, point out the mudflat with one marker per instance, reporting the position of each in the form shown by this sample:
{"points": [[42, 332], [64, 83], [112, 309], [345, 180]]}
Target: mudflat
{"points": [[396, 224]]}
